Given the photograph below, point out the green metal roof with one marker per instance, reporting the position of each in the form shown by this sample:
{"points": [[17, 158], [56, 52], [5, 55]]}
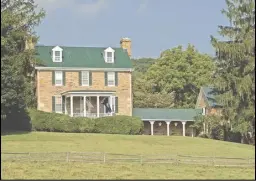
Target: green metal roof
{"points": [[88, 57], [210, 96], [166, 114]]}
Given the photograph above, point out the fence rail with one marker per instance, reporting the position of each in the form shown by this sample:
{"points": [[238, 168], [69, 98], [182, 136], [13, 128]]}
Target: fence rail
{"points": [[99, 157]]}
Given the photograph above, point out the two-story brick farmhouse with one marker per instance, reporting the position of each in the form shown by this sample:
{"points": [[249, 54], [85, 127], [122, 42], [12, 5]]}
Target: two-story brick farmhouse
{"points": [[85, 81]]}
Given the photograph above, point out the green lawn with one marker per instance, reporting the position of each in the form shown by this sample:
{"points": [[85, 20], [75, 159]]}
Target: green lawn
{"points": [[67, 142]]}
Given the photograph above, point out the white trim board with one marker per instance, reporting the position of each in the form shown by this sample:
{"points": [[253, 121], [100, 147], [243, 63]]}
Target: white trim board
{"points": [[88, 69]]}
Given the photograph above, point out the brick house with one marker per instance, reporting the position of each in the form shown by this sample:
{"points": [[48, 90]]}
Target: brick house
{"points": [[97, 82], [85, 81]]}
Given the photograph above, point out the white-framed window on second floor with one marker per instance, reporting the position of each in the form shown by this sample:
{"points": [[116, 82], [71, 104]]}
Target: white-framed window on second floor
{"points": [[111, 78], [85, 78], [58, 78], [58, 104]]}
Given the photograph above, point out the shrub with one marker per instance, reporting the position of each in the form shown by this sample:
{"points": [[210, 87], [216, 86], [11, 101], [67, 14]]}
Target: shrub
{"points": [[119, 125], [54, 122]]}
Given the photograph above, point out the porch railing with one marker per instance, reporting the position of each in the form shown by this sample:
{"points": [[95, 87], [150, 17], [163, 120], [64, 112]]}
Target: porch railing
{"points": [[91, 115]]}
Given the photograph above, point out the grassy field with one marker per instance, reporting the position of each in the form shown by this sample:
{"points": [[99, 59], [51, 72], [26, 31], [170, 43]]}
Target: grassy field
{"points": [[61, 142]]}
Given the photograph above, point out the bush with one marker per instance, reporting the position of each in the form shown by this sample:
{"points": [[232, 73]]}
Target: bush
{"points": [[119, 125], [54, 122]]}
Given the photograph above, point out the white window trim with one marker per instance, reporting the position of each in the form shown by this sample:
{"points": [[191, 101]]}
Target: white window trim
{"points": [[88, 76], [109, 50], [57, 48], [55, 104], [114, 79], [56, 77]]}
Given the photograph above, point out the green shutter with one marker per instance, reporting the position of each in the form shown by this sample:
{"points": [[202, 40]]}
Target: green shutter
{"points": [[106, 78], [64, 78], [80, 77], [53, 103], [90, 78], [116, 104], [53, 77], [116, 78], [63, 104]]}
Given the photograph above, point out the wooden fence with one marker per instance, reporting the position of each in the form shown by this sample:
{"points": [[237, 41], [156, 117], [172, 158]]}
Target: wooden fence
{"points": [[99, 157]]}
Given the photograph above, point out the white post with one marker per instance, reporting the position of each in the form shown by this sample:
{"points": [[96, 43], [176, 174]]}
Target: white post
{"points": [[192, 132], [84, 106], [98, 106], [183, 128], [66, 111], [71, 106], [152, 127], [168, 127], [204, 127]]}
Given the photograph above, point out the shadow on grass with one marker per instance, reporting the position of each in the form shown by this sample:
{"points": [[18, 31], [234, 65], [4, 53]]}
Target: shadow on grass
{"points": [[14, 132]]}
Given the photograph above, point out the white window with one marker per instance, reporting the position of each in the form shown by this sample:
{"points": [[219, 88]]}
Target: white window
{"points": [[58, 104], [109, 55], [111, 78], [57, 54], [85, 78], [58, 78]]}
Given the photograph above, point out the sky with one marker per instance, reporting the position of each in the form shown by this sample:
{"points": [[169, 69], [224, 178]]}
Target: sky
{"points": [[152, 25]]}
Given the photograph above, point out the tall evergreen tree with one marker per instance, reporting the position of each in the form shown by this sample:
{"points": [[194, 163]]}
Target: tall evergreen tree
{"points": [[18, 19], [235, 67]]}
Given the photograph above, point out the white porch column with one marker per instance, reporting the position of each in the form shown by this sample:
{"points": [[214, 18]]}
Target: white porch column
{"points": [[98, 106], [152, 127], [66, 111], [71, 106], [168, 127], [183, 127], [84, 106]]}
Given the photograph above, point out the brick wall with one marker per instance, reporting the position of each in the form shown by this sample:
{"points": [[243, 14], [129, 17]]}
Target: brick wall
{"points": [[45, 89]]}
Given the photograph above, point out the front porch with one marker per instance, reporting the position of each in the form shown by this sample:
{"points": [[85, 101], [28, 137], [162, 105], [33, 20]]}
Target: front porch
{"points": [[89, 104]]}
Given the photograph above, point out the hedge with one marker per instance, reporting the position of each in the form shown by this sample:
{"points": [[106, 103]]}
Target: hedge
{"points": [[54, 122]]}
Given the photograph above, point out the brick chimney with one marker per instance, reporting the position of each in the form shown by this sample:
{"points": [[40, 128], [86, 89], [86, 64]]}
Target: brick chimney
{"points": [[126, 43]]}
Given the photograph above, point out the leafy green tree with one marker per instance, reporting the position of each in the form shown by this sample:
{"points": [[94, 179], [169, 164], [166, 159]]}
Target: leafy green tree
{"points": [[235, 67], [181, 73], [18, 19]]}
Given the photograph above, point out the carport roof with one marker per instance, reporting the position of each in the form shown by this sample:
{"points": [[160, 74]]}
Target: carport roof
{"points": [[166, 114]]}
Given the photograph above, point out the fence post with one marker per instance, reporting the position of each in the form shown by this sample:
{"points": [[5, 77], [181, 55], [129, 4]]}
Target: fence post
{"points": [[67, 159], [29, 158], [213, 161], [140, 159], [104, 157]]}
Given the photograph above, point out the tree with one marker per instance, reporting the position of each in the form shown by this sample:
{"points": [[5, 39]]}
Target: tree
{"points": [[181, 73], [235, 67], [18, 19]]}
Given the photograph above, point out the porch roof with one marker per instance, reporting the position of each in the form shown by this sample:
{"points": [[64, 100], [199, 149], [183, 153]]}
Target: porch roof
{"points": [[166, 114], [79, 92]]}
